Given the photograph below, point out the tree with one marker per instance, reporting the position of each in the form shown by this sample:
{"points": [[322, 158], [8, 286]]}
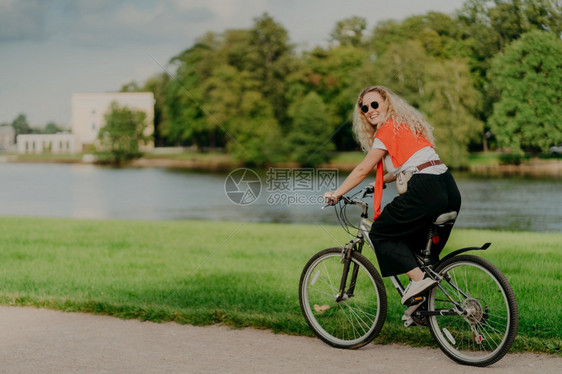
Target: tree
{"points": [[256, 135], [350, 32], [508, 20], [449, 100], [183, 98], [331, 73], [270, 59], [122, 134], [489, 26], [528, 77], [402, 68], [52, 128], [436, 32], [132, 86], [157, 84], [212, 101], [21, 126], [544, 15], [309, 141]]}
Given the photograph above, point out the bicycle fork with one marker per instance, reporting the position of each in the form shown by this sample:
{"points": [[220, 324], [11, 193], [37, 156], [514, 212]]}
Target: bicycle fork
{"points": [[344, 295]]}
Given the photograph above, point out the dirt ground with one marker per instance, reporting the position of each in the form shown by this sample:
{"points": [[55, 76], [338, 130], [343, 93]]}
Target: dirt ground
{"points": [[45, 341]]}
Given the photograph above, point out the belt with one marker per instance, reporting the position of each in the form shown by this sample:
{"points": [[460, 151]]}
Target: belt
{"points": [[428, 164]]}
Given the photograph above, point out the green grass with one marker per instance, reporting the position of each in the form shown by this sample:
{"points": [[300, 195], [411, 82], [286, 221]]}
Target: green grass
{"points": [[484, 158], [239, 274], [49, 157]]}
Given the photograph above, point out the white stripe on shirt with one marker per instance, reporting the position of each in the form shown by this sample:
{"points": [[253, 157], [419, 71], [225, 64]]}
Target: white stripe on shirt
{"points": [[423, 155]]}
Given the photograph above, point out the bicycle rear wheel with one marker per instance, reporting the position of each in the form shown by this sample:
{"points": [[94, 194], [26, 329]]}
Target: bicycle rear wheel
{"points": [[486, 329], [358, 318]]}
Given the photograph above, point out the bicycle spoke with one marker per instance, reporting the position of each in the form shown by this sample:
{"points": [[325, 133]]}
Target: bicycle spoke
{"points": [[328, 276], [363, 312], [358, 317], [359, 321]]}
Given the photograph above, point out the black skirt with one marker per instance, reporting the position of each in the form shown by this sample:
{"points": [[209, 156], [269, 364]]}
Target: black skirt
{"points": [[404, 224]]}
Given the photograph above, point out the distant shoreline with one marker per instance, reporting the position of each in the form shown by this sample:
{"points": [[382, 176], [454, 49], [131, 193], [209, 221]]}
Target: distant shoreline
{"points": [[550, 168], [533, 168]]}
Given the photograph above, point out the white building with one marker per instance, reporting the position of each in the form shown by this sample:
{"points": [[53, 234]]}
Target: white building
{"points": [[88, 111], [88, 117], [7, 137], [47, 143]]}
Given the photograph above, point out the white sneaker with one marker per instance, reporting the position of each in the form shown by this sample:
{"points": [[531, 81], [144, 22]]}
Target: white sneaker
{"points": [[415, 288]]}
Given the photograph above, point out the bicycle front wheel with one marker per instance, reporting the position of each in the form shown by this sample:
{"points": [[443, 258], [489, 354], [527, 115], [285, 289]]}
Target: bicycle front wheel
{"points": [[355, 320], [485, 328]]}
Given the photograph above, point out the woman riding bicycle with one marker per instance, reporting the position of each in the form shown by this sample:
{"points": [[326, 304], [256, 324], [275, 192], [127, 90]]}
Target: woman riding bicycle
{"points": [[394, 133]]}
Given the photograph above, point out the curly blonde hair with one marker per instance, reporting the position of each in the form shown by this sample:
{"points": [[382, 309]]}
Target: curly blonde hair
{"points": [[402, 113]]}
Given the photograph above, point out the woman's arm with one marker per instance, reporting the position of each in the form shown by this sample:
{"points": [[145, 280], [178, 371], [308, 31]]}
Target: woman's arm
{"points": [[359, 173], [389, 177]]}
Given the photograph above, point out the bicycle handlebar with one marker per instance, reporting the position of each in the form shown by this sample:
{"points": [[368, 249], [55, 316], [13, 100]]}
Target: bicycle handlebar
{"points": [[368, 190], [362, 194]]}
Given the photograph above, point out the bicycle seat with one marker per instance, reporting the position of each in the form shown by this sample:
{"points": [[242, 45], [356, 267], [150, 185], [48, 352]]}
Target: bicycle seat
{"points": [[445, 218]]}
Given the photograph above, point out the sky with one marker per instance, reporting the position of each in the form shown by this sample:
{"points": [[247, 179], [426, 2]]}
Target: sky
{"points": [[50, 49]]}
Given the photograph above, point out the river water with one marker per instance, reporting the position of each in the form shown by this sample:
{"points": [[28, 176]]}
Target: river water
{"points": [[88, 191]]}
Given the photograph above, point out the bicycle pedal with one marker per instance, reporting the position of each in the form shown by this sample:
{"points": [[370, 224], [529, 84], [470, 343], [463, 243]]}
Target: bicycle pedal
{"points": [[414, 300]]}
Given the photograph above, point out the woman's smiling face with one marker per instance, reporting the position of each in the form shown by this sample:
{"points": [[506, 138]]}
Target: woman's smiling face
{"points": [[374, 107]]}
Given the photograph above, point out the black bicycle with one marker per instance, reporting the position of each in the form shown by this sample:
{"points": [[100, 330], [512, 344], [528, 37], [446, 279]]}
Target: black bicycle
{"points": [[472, 312]]}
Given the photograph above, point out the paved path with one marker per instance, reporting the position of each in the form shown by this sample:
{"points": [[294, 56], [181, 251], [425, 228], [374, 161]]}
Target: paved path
{"points": [[45, 341]]}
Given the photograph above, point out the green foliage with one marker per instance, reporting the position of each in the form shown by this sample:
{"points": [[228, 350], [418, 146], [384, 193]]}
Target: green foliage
{"points": [[331, 73], [185, 119], [489, 26], [437, 33], [256, 134], [229, 92], [402, 69], [52, 128], [350, 32], [450, 100], [121, 136], [21, 126], [309, 141], [529, 79], [157, 84]]}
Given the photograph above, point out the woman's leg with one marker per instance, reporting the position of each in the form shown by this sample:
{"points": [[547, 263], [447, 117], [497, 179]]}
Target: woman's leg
{"points": [[415, 274]]}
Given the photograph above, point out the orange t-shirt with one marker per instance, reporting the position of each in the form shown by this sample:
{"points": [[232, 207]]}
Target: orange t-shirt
{"points": [[401, 144]]}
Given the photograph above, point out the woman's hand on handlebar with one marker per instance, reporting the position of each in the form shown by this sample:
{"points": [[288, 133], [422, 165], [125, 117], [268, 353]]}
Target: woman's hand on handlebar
{"points": [[331, 199]]}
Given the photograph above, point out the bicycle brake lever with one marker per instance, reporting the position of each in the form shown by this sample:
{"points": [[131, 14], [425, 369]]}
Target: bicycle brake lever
{"points": [[346, 200]]}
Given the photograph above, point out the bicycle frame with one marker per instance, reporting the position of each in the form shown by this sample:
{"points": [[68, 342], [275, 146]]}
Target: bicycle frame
{"points": [[357, 245]]}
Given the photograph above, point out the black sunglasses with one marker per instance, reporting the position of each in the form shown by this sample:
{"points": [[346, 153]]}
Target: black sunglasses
{"points": [[374, 105]]}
